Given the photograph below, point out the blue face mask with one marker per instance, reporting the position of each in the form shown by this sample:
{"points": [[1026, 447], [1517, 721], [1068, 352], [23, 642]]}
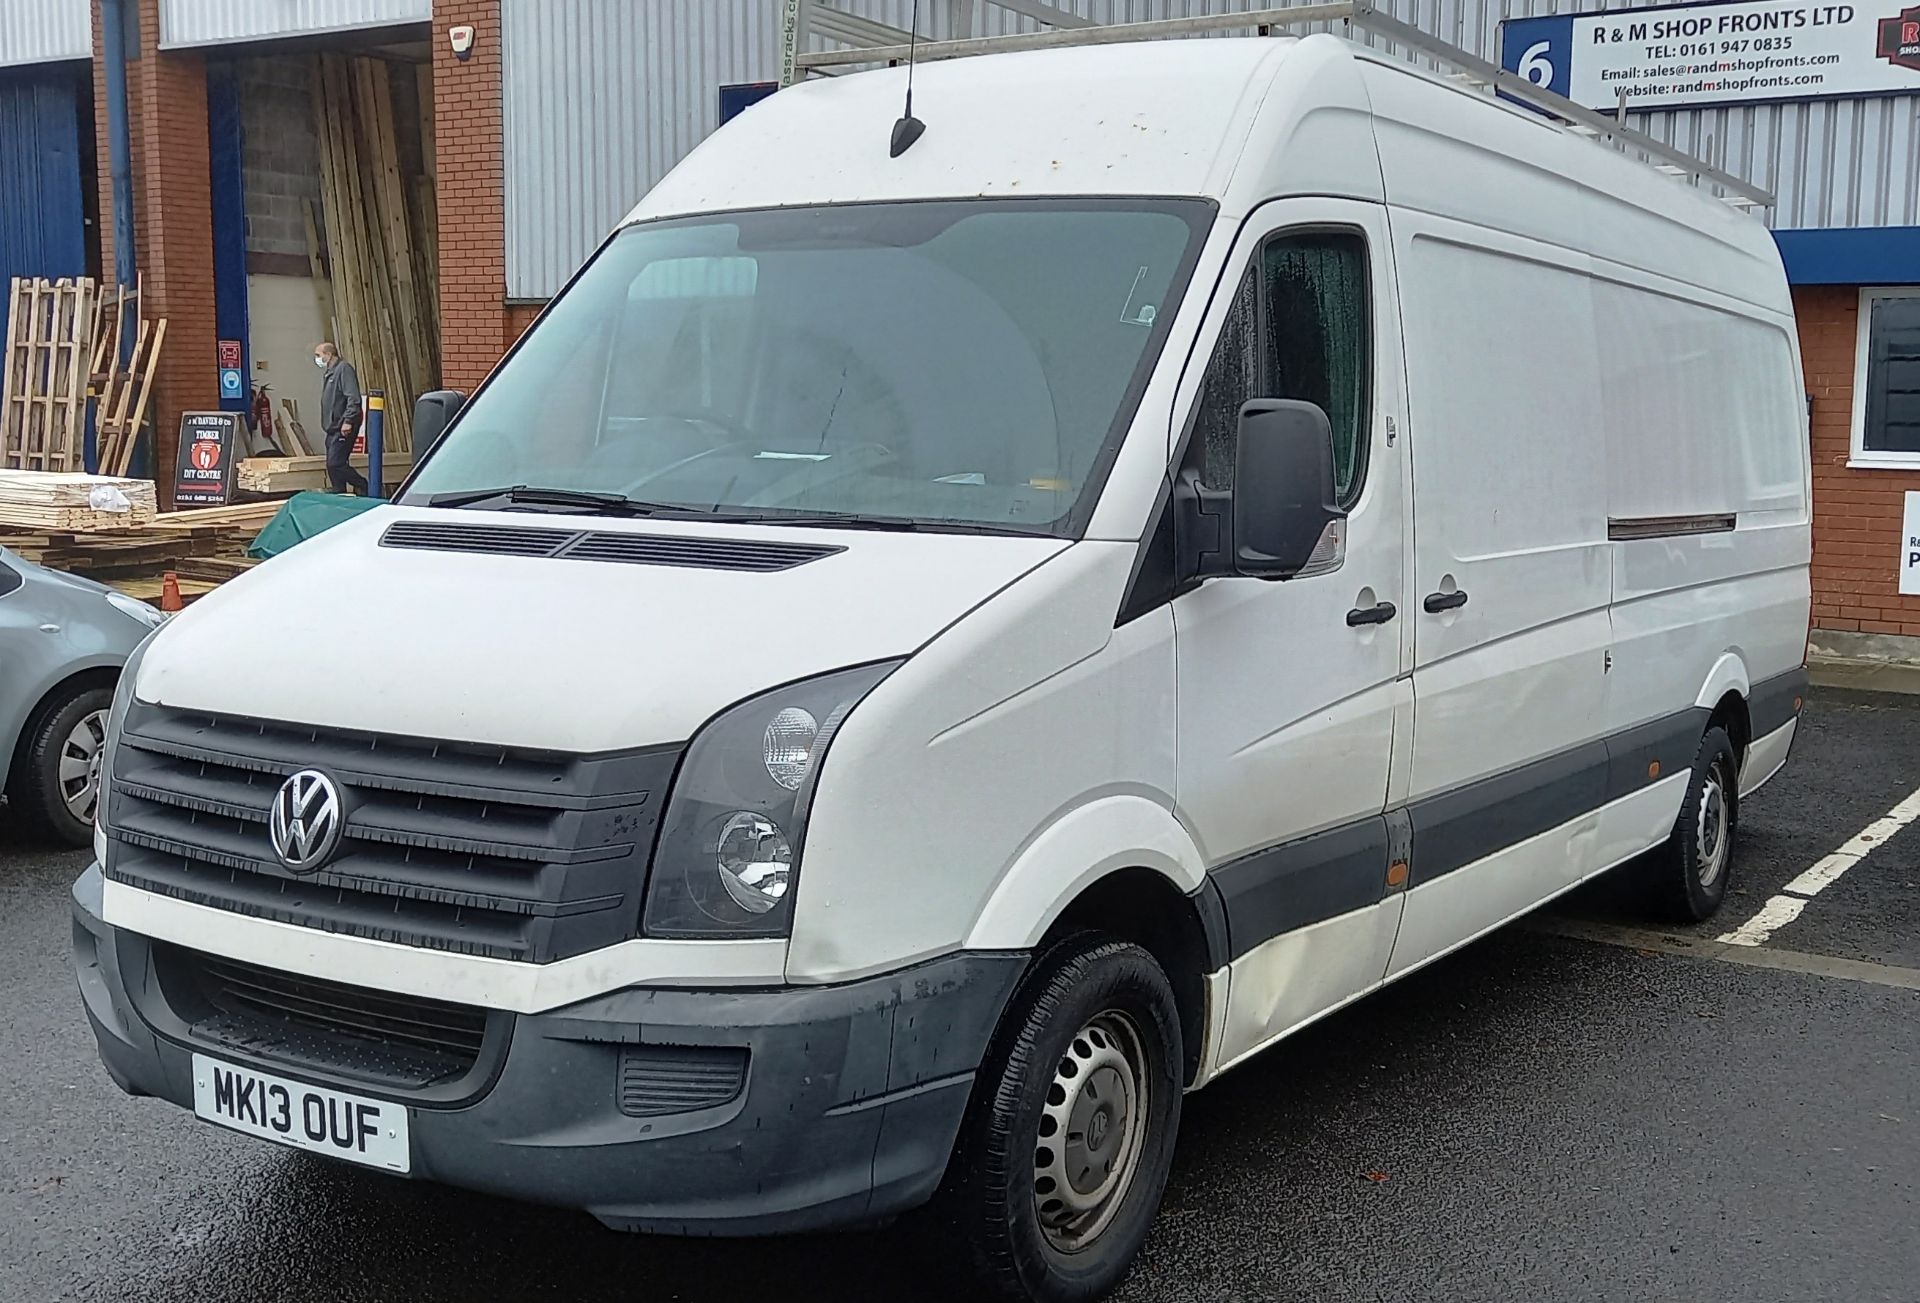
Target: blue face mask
{"points": [[320, 362]]}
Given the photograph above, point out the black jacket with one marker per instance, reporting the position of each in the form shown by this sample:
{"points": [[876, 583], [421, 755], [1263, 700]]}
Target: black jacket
{"points": [[340, 398]]}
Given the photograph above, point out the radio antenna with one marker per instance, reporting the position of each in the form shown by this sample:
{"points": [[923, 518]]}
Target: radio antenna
{"points": [[909, 128]]}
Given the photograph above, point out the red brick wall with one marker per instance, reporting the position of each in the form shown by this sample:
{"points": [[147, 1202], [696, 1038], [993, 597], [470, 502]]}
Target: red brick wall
{"points": [[1856, 513], [173, 222], [470, 181], [519, 317]]}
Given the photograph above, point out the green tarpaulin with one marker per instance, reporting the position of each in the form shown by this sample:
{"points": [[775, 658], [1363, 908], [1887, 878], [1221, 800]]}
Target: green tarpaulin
{"points": [[305, 515]]}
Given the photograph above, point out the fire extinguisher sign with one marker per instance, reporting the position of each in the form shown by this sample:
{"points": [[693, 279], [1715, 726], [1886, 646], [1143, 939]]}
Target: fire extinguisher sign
{"points": [[203, 471]]}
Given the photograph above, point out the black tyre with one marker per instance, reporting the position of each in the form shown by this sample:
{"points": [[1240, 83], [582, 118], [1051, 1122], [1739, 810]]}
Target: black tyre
{"points": [[1064, 1152], [1688, 876], [56, 781]]}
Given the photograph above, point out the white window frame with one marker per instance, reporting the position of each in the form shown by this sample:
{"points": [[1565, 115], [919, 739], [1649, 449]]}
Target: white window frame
{"points": [[1858, 456]]}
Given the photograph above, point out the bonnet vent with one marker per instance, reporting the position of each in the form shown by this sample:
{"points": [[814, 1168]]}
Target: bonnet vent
{"points": [[753, 556]]}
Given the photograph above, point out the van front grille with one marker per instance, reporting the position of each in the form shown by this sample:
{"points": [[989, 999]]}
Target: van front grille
{"points": [[322, 1025], [490, 851]]}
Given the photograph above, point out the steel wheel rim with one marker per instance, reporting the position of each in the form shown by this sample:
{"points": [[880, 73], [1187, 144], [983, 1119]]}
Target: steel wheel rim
{"points": [[1714, 831], [78, 772], [1092, 1131]]}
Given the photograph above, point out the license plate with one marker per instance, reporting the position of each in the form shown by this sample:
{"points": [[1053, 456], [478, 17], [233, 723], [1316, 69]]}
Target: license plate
{"points": [[331, 1122]]}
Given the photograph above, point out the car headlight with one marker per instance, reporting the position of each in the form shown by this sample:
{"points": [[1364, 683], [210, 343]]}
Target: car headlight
{"points": [[730, 843], [150, 616]]}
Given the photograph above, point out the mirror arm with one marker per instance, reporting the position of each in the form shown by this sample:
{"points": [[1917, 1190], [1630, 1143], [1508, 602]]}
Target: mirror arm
{"points": [[1203, 530]]}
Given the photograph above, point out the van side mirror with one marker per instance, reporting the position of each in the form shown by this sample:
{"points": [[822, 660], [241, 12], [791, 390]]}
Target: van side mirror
{"points": [[432, 413], [1283, 488]]}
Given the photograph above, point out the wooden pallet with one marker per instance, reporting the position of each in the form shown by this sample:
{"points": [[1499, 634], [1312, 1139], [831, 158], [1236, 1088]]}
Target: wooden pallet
{"points": [[121, 411], [43, 398]]}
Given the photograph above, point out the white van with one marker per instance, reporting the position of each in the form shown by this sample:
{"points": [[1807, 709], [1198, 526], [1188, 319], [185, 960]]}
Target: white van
{"points": [[915, 662]]}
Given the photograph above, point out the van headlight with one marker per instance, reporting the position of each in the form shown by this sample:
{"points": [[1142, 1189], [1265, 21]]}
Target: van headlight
{"points": [[730, 843]]}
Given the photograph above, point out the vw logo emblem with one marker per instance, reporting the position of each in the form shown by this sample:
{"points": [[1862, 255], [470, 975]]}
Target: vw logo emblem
{"points": [[307, 821]]}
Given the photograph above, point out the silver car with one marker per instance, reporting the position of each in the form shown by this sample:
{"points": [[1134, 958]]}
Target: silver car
{"points": [[62, 642]]}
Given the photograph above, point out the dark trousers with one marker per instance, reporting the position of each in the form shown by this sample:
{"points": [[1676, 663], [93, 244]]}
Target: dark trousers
{"points": [[340, 472]]}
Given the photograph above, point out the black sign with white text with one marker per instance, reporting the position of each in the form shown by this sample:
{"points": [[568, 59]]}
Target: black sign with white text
{"points": [[203, 470]]}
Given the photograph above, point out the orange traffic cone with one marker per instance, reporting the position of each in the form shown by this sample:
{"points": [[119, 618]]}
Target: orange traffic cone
{"points": [[170, 593]]}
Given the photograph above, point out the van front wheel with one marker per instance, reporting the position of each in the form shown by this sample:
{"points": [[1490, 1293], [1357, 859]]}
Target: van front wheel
{"points": [[1067, 1142]]}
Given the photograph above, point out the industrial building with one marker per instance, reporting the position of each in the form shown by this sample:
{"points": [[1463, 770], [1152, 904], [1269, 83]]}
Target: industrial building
{"points": [[511, 150]]}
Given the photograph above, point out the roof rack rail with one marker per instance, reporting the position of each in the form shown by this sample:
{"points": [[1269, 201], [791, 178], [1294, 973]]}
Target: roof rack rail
{"points": [[870, 42]]}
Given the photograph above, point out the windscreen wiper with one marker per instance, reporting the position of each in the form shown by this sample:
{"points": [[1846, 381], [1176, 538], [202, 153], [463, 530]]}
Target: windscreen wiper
{"points": [[527, 495]]}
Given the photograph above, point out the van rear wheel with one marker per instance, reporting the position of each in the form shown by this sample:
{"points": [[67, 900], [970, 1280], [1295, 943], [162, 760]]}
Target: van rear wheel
{"points": [[1690, 874], [1065, 1149]]}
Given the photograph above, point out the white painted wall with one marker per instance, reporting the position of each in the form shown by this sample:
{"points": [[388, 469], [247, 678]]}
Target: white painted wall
{"points": [[283, 313]]}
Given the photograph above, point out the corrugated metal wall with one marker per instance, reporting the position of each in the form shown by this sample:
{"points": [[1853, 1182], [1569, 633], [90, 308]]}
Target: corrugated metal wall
{"points": [[42, 31], [604, 96], [43, 228], [216, 22]]}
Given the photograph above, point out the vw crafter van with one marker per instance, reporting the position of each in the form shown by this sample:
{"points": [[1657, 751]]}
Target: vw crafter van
{"points": [[916, 662]]}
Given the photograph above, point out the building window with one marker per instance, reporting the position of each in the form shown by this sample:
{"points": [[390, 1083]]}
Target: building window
{"points": [[1886, 380]]}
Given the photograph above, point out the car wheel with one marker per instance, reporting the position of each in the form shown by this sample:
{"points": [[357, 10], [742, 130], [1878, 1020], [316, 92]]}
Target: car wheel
{"points": [[57, 785], [1689, 875], [1065, 1149]]}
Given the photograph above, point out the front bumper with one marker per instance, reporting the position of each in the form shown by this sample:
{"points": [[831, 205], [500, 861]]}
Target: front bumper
{"points": [[851, 1101]]}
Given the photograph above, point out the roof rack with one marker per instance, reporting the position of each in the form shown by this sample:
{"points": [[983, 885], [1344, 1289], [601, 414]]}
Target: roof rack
{"points": [[871, 42]]}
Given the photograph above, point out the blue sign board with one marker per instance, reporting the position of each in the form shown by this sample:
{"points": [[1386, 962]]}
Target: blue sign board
{"points": [[231, 386], [735, 99], [1541, 50]]}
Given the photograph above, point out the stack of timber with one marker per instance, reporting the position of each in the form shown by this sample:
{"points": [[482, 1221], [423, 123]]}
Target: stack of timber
{"points": [[279, 476], [43, 396], [63, 501], [378, 218], [204, 547]]}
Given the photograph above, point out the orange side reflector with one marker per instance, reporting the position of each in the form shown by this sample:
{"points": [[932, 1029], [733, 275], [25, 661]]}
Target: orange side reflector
{"points": [[1397, 875], [1653, 769]]}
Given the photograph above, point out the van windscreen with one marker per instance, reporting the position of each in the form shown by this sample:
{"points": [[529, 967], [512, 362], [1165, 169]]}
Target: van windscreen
{"points": [[969, 364]]}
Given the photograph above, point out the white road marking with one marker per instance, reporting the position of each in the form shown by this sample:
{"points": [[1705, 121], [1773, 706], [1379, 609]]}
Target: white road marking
{"points": [[1823, 875], [1791, 961], [1774, 915], [1784, 908]]}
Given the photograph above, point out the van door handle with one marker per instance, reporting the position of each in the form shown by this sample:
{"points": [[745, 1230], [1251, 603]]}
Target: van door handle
{"points": [[1434, 603], [1378, 613]]}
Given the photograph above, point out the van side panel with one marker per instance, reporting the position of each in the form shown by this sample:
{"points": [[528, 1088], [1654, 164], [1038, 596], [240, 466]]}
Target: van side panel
{"points": [[1604, 409]]}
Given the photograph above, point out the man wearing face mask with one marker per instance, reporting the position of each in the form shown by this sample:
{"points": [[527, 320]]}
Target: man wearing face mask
{"points": [[339, 417]]}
